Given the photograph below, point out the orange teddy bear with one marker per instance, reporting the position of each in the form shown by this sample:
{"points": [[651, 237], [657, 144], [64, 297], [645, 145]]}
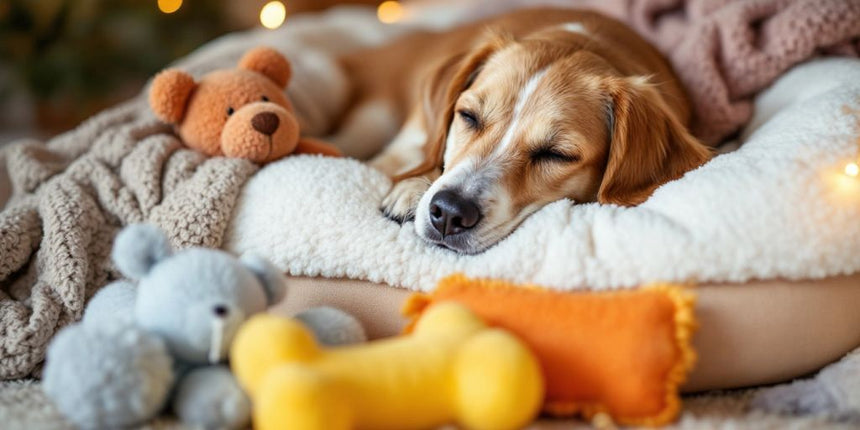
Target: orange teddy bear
{"points": [[240, 112]]}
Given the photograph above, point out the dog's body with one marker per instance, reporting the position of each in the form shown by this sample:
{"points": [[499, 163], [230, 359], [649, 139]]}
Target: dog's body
{"points": [[503, 116]]}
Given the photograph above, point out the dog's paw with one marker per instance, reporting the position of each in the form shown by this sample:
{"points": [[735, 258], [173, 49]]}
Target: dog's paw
{"points": [[401, 202]]}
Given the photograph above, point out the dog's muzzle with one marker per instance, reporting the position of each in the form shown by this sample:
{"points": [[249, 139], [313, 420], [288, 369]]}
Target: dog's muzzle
{"points": [[451, 213]]}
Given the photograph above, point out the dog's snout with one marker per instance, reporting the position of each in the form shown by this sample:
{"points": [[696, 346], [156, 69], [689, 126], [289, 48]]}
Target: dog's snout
{"points": [[265, 122], [451, 213]]}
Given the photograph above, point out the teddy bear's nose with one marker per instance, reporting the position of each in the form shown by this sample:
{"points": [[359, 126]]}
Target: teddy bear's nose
{"points": [[265, 122]]}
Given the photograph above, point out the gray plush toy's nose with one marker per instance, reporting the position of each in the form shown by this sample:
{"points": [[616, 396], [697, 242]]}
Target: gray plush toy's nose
{"points": [[221, 311]]}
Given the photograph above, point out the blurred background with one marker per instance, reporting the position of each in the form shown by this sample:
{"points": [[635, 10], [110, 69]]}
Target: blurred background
{"points": [[61, 61]]}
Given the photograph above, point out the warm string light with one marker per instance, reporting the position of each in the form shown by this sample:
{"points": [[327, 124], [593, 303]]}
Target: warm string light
{"points": [[852, 170], [389, 12], [273, 14], [169, 6]]}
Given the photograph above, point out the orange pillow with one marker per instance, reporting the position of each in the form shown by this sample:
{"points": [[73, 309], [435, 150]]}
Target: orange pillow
{"points": [[621, 353]]}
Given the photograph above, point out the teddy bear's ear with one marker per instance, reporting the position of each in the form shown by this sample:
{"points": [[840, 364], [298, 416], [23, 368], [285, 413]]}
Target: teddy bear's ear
{"points": [[269, 63], [272, 279], [138, 248], [169, 94]]}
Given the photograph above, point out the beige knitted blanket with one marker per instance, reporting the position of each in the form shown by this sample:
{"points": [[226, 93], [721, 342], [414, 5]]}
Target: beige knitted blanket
{"points": [[71, 195]]}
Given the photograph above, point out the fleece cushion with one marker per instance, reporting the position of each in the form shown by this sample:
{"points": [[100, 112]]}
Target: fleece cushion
{"points": [[779, 206]]}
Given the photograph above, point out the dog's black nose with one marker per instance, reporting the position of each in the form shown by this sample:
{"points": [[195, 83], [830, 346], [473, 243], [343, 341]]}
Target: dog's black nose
{"points": [[450, 213], [265, 122]]}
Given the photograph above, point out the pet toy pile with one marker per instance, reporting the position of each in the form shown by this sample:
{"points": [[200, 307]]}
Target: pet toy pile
{"points": [[481, 354]]}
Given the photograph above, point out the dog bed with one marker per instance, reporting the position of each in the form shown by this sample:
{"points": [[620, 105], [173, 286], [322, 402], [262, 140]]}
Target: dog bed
{"points": [[780, 206]]}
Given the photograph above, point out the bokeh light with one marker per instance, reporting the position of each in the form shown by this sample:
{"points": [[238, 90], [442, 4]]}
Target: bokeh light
{"points": [[389, 12], [169, 6], [273, 14], [852, 169]]}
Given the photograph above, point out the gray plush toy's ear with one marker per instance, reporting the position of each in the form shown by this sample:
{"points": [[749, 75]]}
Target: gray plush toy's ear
{"points": [[272, 279], [138, 248]]}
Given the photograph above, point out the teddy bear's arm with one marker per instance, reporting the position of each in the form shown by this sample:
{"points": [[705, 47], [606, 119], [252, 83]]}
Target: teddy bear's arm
{"points": [[309, 145]]}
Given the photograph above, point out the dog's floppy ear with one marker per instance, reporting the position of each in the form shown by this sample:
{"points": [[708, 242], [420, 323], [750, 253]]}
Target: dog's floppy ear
{"points": [[648, 145], [439, 93]]}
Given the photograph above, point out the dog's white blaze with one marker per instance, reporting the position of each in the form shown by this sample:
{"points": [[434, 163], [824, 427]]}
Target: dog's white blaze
{"points": [[458, 176], [575, 27], [450, 140], [522, 98]]}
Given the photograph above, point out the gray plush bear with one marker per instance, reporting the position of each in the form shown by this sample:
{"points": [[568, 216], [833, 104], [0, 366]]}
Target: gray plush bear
{"points": [[165, 340]]}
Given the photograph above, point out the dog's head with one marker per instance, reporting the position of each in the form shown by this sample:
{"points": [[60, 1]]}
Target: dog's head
{"points": [[517, 124]]}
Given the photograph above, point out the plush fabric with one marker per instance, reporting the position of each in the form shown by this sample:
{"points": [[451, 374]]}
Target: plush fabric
{"points": [[134, 352], [724, 51], [108, 375], [239, 112], [621, 353]]}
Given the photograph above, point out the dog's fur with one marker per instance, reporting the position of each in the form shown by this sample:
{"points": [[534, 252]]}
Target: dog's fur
{"points": [[511, 113]]}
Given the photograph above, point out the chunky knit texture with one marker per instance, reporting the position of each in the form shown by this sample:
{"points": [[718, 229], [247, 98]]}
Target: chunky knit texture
{"points": [[727, 51], [71, 195]]}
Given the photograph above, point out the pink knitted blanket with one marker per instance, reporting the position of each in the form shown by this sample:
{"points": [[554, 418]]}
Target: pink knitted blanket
{"points": [[724, 51]]}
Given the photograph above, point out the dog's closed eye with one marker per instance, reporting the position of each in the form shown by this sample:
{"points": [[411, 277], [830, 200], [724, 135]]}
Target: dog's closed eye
{"points": [[470, 118], [552, 154]]}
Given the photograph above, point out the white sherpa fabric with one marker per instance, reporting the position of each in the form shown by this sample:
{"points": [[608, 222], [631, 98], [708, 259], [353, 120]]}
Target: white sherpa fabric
{"points": [[778, 207]]}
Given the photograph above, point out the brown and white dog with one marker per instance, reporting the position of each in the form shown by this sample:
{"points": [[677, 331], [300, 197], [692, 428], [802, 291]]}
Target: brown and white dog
{"points": [[506, 115]]}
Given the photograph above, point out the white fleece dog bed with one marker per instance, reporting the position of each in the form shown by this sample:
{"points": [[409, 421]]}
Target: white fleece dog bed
{"points": [[778, 207]]}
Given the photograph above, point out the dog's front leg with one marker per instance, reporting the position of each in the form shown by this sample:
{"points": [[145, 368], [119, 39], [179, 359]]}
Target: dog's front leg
{"points": [[401, 202]]}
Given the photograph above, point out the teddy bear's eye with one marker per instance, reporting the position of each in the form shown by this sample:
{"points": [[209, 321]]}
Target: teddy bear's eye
{"points": [[230, 111], [265, 99]]}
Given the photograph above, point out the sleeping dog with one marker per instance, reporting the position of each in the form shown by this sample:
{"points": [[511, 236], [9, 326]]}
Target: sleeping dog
{"points": [[500, 117]]}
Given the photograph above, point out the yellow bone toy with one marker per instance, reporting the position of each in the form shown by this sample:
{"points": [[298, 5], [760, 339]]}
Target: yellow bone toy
{"points": [[451, 368]]}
